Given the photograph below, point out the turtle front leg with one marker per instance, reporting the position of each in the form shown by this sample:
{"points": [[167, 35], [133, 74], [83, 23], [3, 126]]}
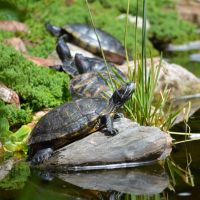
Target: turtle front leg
{"points": [[41, 156], [118, 115], [108, 122]]}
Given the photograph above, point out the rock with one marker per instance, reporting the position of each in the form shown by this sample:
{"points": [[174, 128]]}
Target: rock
{"points": [[17, 43], [5, 168], [13, 26], [195, 57], [133, 144], [184, 47], [192, 111], [132, 20], [45, 62], [9, 96], [140, 181], [37, 116], [189, 10], [179, 80]]}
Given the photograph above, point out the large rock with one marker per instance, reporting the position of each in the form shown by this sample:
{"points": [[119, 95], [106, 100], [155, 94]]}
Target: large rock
{"points": [[98, 151], [179, 80], [192, 108]]}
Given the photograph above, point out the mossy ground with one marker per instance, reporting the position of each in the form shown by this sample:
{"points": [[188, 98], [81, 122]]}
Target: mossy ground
{"points": [[38, 87]]}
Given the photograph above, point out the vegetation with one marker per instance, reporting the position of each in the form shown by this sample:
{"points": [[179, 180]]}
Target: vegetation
{"points": [[36, 14], [37, 87], [16, 178]]}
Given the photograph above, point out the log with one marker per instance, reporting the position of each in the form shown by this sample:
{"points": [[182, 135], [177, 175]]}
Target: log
{"points": [[132, 145]]}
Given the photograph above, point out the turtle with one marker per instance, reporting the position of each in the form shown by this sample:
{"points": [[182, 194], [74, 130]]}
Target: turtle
{"points": [[91, 84], [81, 64], [74, 120], [86, 36]]}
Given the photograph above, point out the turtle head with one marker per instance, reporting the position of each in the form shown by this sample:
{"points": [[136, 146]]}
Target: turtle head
{"points": [[121, 95], [62, 49], [81, 63]]}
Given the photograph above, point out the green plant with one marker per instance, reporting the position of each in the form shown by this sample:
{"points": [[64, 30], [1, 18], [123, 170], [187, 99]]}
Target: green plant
{"points": [[15, 141], [11, 141], [38, 87], [17, 116], [143, 107]]}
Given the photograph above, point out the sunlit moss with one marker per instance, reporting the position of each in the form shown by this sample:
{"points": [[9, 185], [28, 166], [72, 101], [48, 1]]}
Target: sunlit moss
{"points": [[37, 86]]}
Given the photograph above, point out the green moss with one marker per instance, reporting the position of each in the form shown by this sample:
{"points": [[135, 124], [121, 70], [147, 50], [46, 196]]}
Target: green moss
{"points": [[16, 178], [16, 116], [160, 14], [37, 87]]}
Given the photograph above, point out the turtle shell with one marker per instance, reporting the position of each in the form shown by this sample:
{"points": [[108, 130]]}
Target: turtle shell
{"points": [[91, 84], [85, 36], [68, 122]]}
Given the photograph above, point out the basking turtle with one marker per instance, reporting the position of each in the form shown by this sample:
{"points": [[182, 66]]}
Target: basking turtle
{"points": [[91, 84], [74, 120], [81, 64], [84, 35]]}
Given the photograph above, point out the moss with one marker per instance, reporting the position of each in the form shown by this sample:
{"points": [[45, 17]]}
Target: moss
{"points": [[41, 43], [16, 178], [160, 14], [16, 116], [37, 87]]}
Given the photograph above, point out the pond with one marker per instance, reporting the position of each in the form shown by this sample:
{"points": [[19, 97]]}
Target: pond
{"points": [[179, 178]]}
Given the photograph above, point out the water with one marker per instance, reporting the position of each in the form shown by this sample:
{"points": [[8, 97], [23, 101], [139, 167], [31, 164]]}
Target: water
{"points": [[175, 180]]}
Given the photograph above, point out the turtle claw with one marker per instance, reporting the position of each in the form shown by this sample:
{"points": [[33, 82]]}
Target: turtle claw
{"points": [[41, 156], [118, 115], [112, 132]]}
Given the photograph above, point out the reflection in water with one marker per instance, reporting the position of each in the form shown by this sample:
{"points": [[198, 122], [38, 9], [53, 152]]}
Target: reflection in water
{"points": [[110, 184]]}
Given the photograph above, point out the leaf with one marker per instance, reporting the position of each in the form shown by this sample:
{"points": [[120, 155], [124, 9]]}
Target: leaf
{"points": [[13, 147], [4, 127], [21, 134]]}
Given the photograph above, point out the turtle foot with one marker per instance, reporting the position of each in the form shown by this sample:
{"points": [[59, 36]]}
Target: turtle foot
{"points": [[118, 116], [112, 132], [41, 156]]}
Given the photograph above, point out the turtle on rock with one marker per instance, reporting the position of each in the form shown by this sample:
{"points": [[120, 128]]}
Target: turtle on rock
{"points": [[91, 84], [75, 120], [81, 64], [86, 36]]}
